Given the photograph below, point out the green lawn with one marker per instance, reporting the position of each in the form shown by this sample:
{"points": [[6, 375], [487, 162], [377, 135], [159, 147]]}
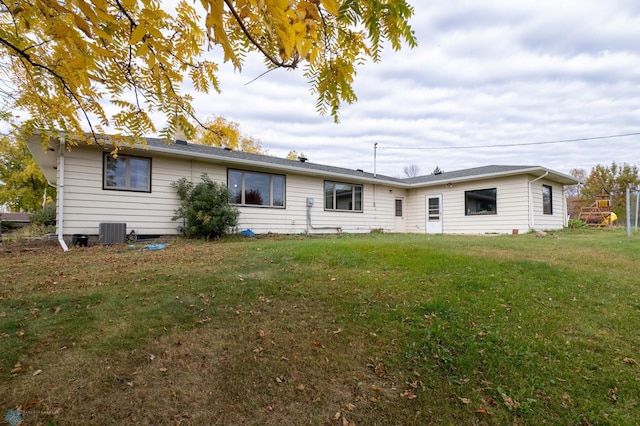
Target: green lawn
{"points": [[371, 329]]}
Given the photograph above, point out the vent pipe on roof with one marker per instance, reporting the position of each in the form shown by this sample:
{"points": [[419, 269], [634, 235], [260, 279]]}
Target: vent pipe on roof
{"points": [[179, 136]]}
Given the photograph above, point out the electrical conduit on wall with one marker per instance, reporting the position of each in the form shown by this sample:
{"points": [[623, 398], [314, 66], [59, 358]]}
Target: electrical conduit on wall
{"points": [[310, 226]]}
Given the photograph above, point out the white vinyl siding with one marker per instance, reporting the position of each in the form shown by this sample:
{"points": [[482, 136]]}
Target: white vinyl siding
{"points": [[546, 222], [378, 213], [86, 204], [511, 207]]}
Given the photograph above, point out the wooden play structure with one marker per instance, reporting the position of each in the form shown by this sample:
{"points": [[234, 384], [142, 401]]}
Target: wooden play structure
{"points": [[599, 213]]}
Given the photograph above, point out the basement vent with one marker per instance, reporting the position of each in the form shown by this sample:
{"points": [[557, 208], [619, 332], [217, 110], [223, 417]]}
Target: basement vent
{"points": [[113, 233]]}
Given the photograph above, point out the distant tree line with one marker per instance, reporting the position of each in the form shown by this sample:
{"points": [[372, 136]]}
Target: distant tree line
{"points": [[613, 179]]}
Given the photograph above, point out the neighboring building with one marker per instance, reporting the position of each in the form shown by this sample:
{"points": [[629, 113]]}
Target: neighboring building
{"points": [[285, 196], [17, 219]]}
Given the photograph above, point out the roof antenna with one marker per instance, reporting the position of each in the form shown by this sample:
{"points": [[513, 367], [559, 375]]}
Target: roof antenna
{"points": [[375, 155]]}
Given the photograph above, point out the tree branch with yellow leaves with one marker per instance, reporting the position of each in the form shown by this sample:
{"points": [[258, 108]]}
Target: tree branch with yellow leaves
{"points": [[106, 52]]}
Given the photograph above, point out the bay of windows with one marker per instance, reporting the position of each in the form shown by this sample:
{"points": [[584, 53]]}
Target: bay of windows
{"points": [[256, 189], [342, 196]]}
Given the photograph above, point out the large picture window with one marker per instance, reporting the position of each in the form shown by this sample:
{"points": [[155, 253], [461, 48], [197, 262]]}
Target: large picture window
{"points": [[126, 173], [547, 199], [342, 196], [480, 202], [256, 189]]}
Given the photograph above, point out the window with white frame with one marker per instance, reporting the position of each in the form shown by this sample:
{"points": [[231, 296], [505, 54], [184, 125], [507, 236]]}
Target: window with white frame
{"points": [[126, 173], [256, 188], [342, 196]]}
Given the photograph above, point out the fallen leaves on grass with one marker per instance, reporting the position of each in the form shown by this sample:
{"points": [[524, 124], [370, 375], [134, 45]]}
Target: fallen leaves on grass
{"points": [[491, 401], [566, 401], [510, 403], [465, 401], [16, 368], [410, 392], [630, 361], [345, 422], [378, 369]]}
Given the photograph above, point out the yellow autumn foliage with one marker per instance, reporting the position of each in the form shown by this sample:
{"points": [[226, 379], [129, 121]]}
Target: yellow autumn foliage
{"points": [[71, 65], [224, 133]]}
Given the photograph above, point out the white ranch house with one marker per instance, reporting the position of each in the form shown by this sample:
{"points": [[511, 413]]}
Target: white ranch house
{"points": [[276, 195]]}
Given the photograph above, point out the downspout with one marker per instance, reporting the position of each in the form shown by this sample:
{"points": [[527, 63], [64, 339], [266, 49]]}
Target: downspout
{"points": [[310, 226], [531, 219], [61, 197], [565, 209]]}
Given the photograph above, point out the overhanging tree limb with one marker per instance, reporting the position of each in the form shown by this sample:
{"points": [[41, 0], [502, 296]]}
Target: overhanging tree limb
{"points": [[97, 52]]}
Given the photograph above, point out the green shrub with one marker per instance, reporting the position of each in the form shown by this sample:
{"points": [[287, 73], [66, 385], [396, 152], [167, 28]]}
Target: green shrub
{"points": [[577, 224], [46, 216], [7, 226], [205, 208]]}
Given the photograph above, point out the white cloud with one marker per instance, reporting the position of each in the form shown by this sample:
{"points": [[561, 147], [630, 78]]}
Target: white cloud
{"points": [[493, 72]]}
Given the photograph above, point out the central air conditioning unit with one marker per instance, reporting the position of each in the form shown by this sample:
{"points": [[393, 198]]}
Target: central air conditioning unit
{"points": [[113, 233]]}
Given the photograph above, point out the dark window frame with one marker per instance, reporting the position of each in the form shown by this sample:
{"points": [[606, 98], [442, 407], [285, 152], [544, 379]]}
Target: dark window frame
{"points": [[127, 188], [547, 205], [479, 202], [243, 194], [334, 198]]}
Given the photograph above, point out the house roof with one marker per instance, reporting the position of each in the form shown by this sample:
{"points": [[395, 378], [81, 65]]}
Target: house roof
{"points": [[490, 172], [15, 217], [48, 161], [264, 161]]}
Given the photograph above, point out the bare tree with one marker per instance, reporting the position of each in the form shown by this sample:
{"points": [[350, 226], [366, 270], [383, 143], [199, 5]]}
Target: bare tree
{"points": [[411, 170], [573, 191]]}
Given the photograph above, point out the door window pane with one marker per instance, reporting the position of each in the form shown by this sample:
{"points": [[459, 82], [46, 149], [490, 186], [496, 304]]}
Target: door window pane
{"points": [[434, 209], [398, 208]]}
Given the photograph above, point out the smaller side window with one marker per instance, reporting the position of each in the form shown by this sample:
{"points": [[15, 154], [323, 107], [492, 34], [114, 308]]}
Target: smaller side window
{"points": [[126, 173], [547, 199]]}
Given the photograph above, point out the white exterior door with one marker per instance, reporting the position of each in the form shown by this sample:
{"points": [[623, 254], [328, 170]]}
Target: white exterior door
{"points": [[434, 214], [399, 220]]}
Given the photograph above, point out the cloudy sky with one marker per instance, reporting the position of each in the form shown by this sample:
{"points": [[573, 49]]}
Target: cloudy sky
{"points": [[495, 72]]}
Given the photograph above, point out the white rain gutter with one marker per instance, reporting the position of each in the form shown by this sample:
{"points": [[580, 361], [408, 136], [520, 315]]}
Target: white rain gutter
{"points": [[60, 197], [531, 218]]}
